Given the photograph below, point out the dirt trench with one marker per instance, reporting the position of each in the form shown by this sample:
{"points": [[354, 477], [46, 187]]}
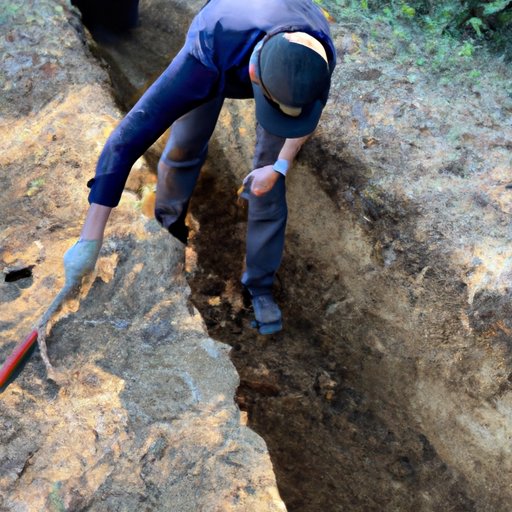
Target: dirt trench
{"points": [[331, 448], [330, 440]]}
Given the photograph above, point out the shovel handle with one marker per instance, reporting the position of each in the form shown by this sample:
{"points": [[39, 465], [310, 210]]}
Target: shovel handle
{"points": [[16, 357]]}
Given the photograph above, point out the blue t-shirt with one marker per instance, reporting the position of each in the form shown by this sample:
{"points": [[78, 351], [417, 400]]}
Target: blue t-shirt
{"points": [[213, 62]]}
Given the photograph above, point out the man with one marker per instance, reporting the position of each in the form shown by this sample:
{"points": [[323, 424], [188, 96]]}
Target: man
{"points": [[277, 51]]}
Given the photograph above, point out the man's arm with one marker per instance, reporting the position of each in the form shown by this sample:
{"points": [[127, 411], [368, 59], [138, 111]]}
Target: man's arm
{"points": [[184, 85], [291, 148], [95, 222], [264, 178]]}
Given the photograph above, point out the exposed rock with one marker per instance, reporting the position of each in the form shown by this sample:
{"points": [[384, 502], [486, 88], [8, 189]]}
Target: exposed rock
{"points": [[146, 418]]}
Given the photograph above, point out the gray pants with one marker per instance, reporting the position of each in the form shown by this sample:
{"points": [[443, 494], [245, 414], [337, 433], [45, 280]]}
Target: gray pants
{"points": [[178, 171]]}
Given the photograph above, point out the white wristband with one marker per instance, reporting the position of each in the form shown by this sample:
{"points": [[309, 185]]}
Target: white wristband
{"points": [[281, 166]]}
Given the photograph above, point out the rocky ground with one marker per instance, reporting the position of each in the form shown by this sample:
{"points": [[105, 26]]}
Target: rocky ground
{"points": [[141, 412], [389, 388]]}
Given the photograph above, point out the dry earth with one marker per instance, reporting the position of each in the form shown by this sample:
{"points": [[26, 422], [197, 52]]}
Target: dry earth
{"points": [[142, 416], [390, 387]]}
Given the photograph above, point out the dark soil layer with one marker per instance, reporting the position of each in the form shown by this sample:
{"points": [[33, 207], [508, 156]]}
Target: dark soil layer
{"points": [[330, 448]]}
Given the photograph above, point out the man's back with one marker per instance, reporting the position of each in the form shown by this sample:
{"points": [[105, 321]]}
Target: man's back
{"points": [[224, 33]]}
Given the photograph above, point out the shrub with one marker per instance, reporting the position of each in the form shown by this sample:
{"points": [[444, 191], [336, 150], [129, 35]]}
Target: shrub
{"points": [[489, 21]]}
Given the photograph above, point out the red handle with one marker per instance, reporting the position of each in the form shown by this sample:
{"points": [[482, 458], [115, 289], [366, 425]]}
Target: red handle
{"points": [[16, 357]]}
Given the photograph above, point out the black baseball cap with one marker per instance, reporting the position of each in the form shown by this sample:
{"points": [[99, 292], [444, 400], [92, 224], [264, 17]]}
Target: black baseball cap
{"points": [[293, 84]]}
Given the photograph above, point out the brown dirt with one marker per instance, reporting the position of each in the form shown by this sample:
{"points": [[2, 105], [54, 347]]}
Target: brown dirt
{"points": [[330, 447], [374, 291]]}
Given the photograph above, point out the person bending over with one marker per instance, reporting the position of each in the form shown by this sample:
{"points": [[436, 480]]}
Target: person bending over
{"points": [[278, 52]]}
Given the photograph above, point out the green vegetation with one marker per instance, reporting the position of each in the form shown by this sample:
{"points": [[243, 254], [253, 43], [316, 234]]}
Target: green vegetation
{"points": [[440, 35], [35, 186]]}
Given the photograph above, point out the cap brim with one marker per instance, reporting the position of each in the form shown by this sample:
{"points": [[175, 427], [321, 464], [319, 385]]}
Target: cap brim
{"points": [[278, 123]]}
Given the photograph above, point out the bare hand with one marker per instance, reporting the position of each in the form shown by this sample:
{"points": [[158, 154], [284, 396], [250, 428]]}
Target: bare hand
{"points": [[262, 180]]}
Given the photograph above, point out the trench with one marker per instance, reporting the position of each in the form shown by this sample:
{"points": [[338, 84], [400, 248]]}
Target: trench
{"points": [[306, 390]]}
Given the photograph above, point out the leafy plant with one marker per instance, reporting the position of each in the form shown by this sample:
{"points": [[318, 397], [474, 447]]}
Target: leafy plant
{"points": [[477, 25], [448, 28], [495, 7], [408, 11], [467, 50]]}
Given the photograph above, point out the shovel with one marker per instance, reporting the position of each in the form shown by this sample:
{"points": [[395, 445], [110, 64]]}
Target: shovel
{"points": [[22, 350]]}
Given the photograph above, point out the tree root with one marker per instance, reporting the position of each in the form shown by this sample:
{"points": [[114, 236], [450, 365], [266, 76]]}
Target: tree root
{"points": [[42, 327]]}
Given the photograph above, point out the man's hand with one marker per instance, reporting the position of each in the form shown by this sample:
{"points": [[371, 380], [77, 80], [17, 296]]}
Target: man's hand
{"points": [[80, 259], [262, 180]]}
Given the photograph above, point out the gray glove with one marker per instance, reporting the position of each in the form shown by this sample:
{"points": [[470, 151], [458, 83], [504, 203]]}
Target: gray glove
{"points": [[80, 259]]}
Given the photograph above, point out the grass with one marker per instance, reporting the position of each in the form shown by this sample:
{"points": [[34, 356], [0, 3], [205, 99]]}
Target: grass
{"points": [[430, 41]]}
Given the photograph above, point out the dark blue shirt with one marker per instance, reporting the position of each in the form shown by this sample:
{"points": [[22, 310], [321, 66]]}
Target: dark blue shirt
{"points": [[213, 62]]}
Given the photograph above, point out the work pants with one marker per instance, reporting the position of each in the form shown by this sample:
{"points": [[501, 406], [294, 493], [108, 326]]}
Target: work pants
{"points": [[178, 171]]}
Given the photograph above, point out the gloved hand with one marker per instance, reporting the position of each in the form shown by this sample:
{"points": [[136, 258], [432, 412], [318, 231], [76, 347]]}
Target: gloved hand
{"points": [[261, 180], [80, 259]]}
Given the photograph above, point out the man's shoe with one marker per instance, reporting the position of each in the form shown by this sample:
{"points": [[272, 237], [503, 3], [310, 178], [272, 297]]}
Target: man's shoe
{"points": [[267, 314], [179, 231]]}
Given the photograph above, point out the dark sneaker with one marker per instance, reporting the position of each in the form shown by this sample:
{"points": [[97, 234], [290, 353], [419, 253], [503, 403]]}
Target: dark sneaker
{"points": [[267, 314], [179, 231]]}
